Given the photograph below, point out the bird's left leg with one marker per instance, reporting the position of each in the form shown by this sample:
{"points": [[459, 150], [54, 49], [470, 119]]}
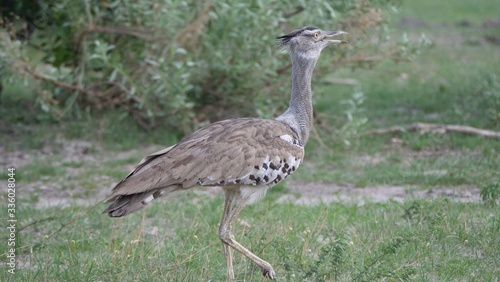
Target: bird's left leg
{"points": [[232, 206]]}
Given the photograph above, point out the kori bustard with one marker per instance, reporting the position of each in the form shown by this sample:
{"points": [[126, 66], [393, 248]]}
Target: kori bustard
{"points": [[244, 156]]}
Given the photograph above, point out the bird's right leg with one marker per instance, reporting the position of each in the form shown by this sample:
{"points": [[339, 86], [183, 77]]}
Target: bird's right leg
{"points": [[232, 206], [228, 252]]}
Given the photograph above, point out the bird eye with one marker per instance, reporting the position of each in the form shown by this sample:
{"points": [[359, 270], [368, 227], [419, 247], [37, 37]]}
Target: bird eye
{"points": [[316, 35]]}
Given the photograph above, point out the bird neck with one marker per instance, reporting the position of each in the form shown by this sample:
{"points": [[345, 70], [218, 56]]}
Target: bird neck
{"points": [[299, 115]]}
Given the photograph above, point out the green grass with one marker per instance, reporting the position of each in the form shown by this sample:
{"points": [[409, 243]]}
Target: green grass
{"points": [[455, 81], [415, 241], [450, 12], [459, 159]]}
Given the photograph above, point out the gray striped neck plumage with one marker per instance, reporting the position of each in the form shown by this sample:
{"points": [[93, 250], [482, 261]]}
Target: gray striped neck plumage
{"points": [[299, 114]]}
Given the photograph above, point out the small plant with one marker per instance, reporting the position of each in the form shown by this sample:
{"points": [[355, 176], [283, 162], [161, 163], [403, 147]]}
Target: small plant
{"points": [[481, 101], [414, 213], [490, 90], [174, 63], [323, 264], [330, 258], [355, 117], [377, 269], [490, 194]]}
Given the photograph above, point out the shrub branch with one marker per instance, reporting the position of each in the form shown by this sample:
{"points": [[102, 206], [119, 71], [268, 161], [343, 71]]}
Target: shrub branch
{"points": [[437, 128]]}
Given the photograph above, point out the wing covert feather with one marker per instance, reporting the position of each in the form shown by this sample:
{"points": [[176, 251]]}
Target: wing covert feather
{"points": [[247, 151]]}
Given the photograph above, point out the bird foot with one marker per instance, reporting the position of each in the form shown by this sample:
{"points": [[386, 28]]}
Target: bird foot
{"points": [[268, 272]]}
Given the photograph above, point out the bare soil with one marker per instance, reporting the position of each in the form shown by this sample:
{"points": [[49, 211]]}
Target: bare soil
{"points": [[65, 190], [307, 193], [453, 38]]}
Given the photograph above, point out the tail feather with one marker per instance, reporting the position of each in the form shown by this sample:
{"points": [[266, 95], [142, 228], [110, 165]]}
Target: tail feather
{"points": [[123, 205]]}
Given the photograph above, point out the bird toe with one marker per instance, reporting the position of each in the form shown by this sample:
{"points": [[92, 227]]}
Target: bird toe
{"points": [[268, 272]]}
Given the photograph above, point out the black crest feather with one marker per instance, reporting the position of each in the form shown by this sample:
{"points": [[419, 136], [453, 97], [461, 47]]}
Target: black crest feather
{"points": [[285, 39]]}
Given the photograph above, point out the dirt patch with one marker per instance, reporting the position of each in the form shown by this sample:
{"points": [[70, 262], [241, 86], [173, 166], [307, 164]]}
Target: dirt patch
{"points": [[412, 22], [55, 194], [80, 160], [64, 190], [315, 193], [15, 158], [493, 39], [438, 152], [69, 150], [370, 159], [491, 23], [455, 37]]}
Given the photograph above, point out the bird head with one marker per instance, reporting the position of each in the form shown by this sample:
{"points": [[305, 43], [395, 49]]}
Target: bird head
{"points": [[309, 41]]}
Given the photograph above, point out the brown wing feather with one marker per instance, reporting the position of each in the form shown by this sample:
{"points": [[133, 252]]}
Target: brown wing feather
{"points": [[220, 154], [222, 150]]}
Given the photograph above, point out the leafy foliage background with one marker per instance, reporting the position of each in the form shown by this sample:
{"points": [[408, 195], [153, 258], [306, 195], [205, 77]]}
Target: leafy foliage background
{"points": [[184, 63]]}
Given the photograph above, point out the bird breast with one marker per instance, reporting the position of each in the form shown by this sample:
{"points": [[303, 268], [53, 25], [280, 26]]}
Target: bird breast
{"points": [[269, 172]]}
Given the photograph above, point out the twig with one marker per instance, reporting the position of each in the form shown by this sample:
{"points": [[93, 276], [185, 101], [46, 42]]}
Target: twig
{"points": [[64, 225], [315, 133], [38, 76], [76, 218], [92, 93], [433, 127], [284, 69], [36, 222], [134, 32], [342, 81], [367, 59], [299, 10], [91, 28], [188, 36]]}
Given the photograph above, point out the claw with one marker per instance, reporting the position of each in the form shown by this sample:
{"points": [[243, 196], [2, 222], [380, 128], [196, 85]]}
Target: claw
{"points": [[269, 273]]}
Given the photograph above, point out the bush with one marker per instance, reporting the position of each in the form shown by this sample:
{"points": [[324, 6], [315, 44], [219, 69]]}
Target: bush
{"points": [[180, 62], [481, 100]]}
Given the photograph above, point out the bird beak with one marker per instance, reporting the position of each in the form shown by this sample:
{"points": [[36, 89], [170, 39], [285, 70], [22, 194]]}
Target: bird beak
{"points": [[332, 34]]}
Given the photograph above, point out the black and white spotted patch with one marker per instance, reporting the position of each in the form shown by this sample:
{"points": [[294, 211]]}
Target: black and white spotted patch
{"points": [[268, 173]]}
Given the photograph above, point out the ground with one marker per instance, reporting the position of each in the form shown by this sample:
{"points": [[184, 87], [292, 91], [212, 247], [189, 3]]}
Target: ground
{"points": [[403, 206], [81, 158]]}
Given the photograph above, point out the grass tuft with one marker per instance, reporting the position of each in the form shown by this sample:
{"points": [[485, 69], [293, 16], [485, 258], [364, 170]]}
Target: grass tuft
{"points": [[490, 194]]}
